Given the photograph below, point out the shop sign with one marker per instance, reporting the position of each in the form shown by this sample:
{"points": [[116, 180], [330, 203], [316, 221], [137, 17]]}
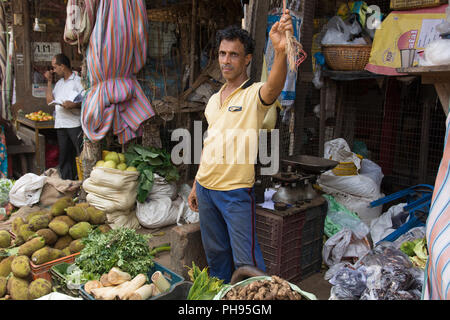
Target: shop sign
{"points": [[45, 51]]}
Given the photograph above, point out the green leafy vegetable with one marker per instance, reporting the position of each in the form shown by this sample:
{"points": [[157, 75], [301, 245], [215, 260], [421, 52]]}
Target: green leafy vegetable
{"points": [[204, 287], [148, 161], [122, 247]]}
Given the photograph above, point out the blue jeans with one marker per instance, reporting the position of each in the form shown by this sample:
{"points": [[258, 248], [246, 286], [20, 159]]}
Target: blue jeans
{"points": [[227, 226]]}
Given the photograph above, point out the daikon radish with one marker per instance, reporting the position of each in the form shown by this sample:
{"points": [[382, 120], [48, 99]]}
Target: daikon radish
{"points": [[109, 293], [155, 290], [132, 286], [117, 276], [143, 293], [160, 281], [92, 284]]}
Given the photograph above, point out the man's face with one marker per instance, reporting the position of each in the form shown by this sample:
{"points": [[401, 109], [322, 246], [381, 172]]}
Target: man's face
{"points": [[232, 59], [58, 69]]}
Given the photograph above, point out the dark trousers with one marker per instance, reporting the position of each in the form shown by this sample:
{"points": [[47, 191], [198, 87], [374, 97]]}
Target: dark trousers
{"points": [[69, 141]]}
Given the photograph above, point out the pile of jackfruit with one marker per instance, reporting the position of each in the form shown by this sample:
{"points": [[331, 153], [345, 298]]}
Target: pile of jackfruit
{"points": [[18, 284], [41, 237]]}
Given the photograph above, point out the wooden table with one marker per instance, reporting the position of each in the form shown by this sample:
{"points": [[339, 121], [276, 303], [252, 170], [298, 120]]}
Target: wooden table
{"points": [[439, 76], [36, 125]]}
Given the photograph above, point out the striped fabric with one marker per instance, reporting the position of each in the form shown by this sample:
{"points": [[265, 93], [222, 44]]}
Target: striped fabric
{"points": [[437, 274], [117, 51], [3, 57]]}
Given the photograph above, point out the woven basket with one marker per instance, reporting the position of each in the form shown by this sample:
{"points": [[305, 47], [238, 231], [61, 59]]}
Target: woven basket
{"points": [[346, 57], [415, 4]]}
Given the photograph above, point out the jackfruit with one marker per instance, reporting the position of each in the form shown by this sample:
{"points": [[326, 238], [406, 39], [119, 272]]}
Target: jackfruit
{"points": [[58, 207], [59, 227], [110, 164], [68, 220], [66, 251], [49, 235], [104, 228], [63, 242], [83, 205], [76, 246], [39, 288], [3, 283], [20, 266], [5, 239], [29, 247], [131, 168], [18, 241], [45, 255], [5, 266], [37, 213], [18, 288], [78, 214], [39, 222], [96, 216], [25, 232], [17, 222], [121, 157], [80, 230]]}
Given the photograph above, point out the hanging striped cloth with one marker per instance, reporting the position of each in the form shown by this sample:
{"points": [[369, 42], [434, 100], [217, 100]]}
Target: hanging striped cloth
{"points": [[117, 51], [3, 57], [437, 273]]}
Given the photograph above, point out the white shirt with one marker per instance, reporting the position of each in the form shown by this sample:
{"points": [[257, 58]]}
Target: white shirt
{"points": [[67, 90]]}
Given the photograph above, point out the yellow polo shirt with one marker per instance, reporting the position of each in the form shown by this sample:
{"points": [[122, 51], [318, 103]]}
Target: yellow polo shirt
{"points": [[231, 146]]}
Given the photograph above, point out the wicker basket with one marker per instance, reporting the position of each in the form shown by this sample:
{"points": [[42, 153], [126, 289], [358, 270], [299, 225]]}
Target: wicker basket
{"points": [[415, 4], [346, 57]]}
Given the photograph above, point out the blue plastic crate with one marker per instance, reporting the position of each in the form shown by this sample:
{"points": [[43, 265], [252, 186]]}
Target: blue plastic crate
{"points": [[171, 276]]}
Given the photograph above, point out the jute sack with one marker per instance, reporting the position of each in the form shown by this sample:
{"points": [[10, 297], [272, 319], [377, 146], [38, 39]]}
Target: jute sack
{"points": [[111, 190]]}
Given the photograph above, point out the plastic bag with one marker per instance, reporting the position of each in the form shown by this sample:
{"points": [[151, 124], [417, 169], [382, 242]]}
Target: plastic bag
{"points": [[436, 53], [359, 228], [27, 190], [339, 32], [5, 188], [159, 209], [383, 225], [343, 245], [350, 281]]}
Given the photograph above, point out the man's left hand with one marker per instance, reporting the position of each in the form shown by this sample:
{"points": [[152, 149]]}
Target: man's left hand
{"points": [[278, 32]]}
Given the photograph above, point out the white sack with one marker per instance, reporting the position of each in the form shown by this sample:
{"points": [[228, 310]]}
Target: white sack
{"points": [[27, 190]]}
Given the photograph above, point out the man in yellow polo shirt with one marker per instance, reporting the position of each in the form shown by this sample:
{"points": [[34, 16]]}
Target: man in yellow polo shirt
{"points": [[223, 188]]}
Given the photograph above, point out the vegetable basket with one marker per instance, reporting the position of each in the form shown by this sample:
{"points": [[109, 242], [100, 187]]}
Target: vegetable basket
{"points": [[415, 4], [58, 273], [171, 276], [346, 57], [43, 270], [226, 288]]}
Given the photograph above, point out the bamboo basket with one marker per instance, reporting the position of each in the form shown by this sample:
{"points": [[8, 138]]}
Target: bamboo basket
{"points": [[343, 57], [415, 4]]}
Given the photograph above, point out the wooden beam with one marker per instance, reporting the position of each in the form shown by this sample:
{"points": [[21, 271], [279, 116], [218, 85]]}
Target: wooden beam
{"points": [[258, 23]]}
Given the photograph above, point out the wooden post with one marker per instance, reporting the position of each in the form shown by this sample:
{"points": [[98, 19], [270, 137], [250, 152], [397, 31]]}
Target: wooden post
{"points": [[258, 25], [193, 43]]}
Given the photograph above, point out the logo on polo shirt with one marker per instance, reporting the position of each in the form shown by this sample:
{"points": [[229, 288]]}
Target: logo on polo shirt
{"points": [[235, 108]]}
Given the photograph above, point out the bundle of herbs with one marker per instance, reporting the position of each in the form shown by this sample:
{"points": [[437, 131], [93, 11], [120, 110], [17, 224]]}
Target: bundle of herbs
{"points": [[122, 248], [148, 161]]}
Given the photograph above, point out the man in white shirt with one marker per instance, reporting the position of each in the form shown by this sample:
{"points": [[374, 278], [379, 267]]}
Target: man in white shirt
{"points": [[66, 97]]}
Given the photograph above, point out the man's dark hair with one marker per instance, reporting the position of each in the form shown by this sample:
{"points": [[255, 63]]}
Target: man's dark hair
{"points": [[234, 32], [62, 59]]}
